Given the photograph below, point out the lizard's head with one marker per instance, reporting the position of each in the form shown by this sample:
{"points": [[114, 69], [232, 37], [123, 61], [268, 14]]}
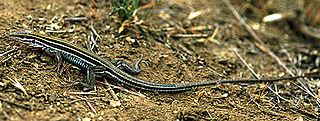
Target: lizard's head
{"points": [[26, 37], [22, 36]]}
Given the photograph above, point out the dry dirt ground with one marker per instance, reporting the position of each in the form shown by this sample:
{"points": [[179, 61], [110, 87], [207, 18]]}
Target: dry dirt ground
{"points": [[167, 59]]}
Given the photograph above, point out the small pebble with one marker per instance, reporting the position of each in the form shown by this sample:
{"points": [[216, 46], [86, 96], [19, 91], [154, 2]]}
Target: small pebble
{"points": [[115, 103]]}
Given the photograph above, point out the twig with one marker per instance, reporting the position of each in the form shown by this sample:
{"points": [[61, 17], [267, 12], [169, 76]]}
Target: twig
{"points": [[297, 21], [256, 76], [212, 70], [261, 92], [214, 34], [94, 31], [189, 35], [81, 93], [50, 31], [279, 16], [209, 114], [80, 98], [7, 52], [76, 19], [6, 59], [122, 89], [18, 112], [92, 98], [111, 91], [15, 104], [88, 43], [91, 107], [276, 114], [6, 114], [172, 23], [276, 90], [17, 84], [93, 42], [147, 6], [92, 38], [246, 64], [226, 20], [252, 99], [264, 48]]}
